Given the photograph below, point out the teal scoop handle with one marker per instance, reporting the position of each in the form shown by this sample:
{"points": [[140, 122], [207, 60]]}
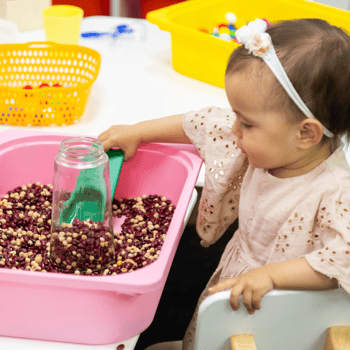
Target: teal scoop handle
{"points": [[116, 158]]}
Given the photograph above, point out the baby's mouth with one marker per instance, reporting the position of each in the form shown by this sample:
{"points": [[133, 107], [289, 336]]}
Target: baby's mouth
{"points": [[242, 149]]}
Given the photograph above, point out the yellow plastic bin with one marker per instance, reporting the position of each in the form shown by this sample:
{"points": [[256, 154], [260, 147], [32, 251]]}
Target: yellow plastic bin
{"points": [[204, 57]]}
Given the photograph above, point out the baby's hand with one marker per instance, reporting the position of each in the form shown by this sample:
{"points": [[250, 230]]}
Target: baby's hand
{"points": [[126, 137], [253, 286]]}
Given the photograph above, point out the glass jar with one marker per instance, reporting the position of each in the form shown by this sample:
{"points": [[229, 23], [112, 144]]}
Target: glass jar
{"points": [[82, 236]]}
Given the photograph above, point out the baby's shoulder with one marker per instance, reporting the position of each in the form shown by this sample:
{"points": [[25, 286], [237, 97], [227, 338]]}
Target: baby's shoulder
{"points": [[338, 167], [332, 176], [337, 191]]}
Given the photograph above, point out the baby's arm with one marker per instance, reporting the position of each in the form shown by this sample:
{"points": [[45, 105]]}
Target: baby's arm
{"points": [[167, 129], [255, 284], [298, 274], [129, 137]]}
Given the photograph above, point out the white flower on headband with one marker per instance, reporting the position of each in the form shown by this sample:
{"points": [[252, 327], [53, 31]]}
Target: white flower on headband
{"points": [[254, 37]]}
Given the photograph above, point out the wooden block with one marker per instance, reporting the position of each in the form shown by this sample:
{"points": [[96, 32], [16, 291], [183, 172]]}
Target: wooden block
{"points": [[338, 338], [243, 342]]}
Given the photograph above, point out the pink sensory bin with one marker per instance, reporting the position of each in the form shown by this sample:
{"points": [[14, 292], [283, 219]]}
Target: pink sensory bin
{"points": [[92, 310]]}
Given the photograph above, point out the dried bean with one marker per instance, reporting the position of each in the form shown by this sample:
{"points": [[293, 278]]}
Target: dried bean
{"points": [[28, 208]]}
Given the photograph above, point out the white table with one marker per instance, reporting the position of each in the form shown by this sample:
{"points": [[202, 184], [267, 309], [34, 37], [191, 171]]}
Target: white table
{"points": [[136, 82]]}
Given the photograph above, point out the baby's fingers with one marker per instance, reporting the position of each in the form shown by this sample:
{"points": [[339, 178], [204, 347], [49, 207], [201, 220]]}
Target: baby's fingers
{"points": [[247, 301], [256, 300], [236, 292], [108, 144], [105, 135], [222, 286], [102, 137]]}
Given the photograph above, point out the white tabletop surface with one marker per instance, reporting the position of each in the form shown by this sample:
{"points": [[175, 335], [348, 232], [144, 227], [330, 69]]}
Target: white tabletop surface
{"points": [[27, 344], [136, 81]]}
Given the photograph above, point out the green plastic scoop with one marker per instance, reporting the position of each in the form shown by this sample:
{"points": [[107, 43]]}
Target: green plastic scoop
{"points": [[88, 199]]}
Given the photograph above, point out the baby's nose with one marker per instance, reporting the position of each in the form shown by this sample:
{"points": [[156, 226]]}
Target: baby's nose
{"points": [[236, 129]]}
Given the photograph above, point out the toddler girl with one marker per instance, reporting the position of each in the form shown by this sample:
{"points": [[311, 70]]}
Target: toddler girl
{"points": [[276, 160]]}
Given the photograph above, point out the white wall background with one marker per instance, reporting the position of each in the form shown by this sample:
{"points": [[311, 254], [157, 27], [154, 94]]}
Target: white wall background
{"points": [[342, 4]]}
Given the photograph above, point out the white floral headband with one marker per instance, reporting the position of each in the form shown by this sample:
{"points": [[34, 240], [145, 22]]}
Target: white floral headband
{"points": [[259, 43]]}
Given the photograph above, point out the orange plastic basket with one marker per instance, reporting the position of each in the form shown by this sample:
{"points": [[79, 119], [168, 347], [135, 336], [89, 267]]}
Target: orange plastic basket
{"points": [[73, 67]]}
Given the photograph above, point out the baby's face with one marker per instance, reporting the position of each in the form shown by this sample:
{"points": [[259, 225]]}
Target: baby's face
{"points": [[266, 137]]}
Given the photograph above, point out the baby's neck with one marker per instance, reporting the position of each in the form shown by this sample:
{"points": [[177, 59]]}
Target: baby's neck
{"points": [[304, 165]]}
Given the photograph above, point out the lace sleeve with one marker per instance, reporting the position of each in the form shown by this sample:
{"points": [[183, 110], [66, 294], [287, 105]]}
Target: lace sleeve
{"points": [[210, 130], [332, 228], [194, 125]]}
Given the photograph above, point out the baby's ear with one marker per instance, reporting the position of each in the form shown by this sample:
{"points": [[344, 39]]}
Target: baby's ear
{"points": [[310, 133]]}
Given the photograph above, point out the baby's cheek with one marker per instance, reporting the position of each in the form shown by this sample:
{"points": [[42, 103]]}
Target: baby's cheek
{"points": [[258, 158]]}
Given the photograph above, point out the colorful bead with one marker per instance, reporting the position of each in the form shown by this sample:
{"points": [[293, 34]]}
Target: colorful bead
{"points": [[231, 17], [227, 31], [226, 37], [224, 30], [231, 27], [215, 31]]}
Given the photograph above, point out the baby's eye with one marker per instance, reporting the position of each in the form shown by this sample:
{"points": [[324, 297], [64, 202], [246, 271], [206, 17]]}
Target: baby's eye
{"points": [[246, 126]]}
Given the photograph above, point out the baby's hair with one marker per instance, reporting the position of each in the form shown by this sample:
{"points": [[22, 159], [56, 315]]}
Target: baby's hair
{"points": [[316, 58]]}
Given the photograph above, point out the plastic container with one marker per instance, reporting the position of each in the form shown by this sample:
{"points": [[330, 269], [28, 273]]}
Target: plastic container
{"points": [[73, 67], [62, 24], [204, 57], [92, 309], [81, 196]]}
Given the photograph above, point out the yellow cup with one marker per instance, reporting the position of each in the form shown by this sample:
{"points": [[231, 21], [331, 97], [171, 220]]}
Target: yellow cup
{"points": [[62, 23]]}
